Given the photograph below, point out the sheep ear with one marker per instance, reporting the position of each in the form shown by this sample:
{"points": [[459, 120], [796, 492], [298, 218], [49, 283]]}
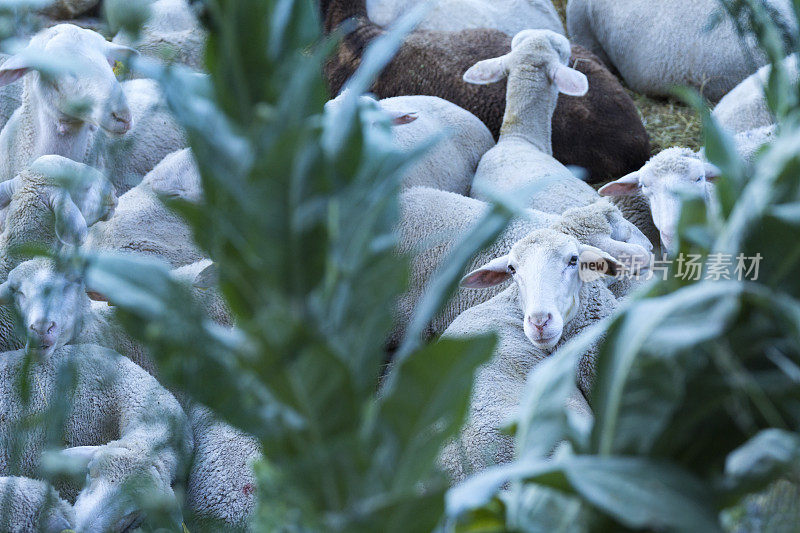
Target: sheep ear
{"points": [[625, 186], [399, 118], [594, 263], [487, 71], [207, 278], [712, 172], [13, 69], [569, 81], [71, 228], [117, 52], [492, 273], [7, 189]]}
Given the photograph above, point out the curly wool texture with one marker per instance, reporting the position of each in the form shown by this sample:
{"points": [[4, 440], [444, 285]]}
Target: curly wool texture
{"points": [[682, 49], [143, 224], [499, 384], [32, 505], [222, 485], [113, 402]]}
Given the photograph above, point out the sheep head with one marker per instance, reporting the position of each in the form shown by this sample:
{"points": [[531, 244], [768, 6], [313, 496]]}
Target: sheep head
{"points": [[661, 179], [84, 88], [549, 269]]}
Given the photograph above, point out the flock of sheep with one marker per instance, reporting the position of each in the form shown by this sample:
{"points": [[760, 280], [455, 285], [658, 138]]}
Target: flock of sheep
{"points": [[517, 100]]}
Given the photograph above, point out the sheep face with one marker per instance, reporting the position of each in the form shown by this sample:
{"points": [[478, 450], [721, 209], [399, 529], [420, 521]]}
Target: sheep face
{"points": [[661, 180], [49, 303], [88, 93], [549, 269]]}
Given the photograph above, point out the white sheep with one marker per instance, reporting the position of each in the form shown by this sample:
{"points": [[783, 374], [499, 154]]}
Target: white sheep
{"points": [[537, 72], [144, 225], [683, 47], [172, 32], [432, 222], [461, 139], [121, 424], [61, 115], [508, 16], [676, 169], [28, 505], [556, 295], [745, 106], [221, 487]]}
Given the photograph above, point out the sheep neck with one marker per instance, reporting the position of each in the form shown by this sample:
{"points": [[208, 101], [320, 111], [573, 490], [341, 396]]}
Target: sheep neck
{"points": [[530, 102], [53, 136]]}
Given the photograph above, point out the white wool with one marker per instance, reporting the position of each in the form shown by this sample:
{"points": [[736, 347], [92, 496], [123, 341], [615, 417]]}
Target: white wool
{"points": [[680, 49]]}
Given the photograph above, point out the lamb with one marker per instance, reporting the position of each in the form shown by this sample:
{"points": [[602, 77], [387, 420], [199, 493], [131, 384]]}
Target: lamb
{"points": [[680, 168], [682, 49], [558, 292], [418, 120], [432, 221], [121, 424], [523, 155], [601, 132], [50, 121], [745, 107], [507, 16], [143, 224], [173, 31], [32, 505]]}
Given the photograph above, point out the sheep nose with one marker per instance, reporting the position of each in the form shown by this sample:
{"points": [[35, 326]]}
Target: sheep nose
{"points": [[43, 327], [539, 320], [123, 116]]}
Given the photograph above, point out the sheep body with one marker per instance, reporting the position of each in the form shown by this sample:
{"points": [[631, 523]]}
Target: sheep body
{"points": [[682, 49], [30, 505], [499, 384], [451, 163], [117, 409], [508, 16], [144, 225], [745, 106], [221, 487], [601, 132]]}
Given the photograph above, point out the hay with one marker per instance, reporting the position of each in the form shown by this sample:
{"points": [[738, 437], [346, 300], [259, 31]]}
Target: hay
{"points": [[669, 122]]}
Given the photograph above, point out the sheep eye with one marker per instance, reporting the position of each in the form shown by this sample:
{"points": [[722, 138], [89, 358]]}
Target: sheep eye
{"points": [[573, 260], [512, 270]]}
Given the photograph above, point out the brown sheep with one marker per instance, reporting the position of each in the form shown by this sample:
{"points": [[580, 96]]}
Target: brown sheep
{"points": [[601, 132]]}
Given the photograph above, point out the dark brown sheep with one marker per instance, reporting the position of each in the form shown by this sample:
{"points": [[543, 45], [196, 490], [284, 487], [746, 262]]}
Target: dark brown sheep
{"points": [[601, 132]]}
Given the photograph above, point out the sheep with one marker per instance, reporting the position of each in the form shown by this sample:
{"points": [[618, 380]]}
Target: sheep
{"points": [[432, 221], [28, 505], [507, 16], [461, 139], [172, 30], [536, 71], [745, 107], [221, 486], [601, 132], [143, 224], [10, 97], [68, 9], [682, 49], [556, 295], [121, 424], [680, 168], [61, 116]]}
